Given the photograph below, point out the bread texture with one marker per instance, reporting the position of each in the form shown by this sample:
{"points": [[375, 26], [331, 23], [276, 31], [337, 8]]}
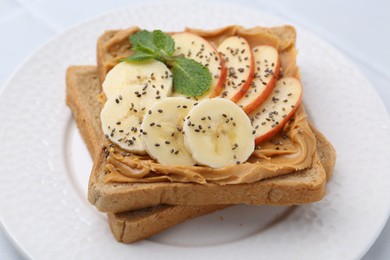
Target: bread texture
{"points": [[131, 226], [326, 153], [82, 88]]}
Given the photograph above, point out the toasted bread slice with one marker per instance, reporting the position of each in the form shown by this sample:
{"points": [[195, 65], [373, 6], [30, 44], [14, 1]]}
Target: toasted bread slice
{"points": [[82, 88], [131, 226], [300, 187]]}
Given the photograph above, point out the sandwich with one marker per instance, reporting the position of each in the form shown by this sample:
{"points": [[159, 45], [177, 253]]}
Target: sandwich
{"points": [[82, 88], [270, 175], [116, 187]]}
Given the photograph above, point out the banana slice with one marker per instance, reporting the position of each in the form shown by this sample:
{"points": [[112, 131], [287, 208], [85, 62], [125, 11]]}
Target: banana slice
{"points": [[151, 74], [218, 133], [122, 116], [162, 131]]}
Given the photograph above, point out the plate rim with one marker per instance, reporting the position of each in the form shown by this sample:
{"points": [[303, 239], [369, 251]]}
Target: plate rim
{"points": [[7, 84]]}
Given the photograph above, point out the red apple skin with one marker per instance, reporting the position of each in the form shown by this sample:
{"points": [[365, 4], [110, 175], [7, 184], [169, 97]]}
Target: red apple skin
{"points": [[281, 124], [241, 92], [222, 78], [268, 89], [248, 81]]}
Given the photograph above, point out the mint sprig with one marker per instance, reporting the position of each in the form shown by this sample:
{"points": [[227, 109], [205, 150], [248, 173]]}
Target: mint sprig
{"points": [[190, 78]]}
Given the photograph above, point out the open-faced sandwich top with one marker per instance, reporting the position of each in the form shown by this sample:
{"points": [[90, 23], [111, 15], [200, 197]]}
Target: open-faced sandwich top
{"points": [[288, 150]]}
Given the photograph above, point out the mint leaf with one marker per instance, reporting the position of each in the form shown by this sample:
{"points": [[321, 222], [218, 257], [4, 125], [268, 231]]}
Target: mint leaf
{"points": [[140, 56], [164, 42], [157, 43], [190, 77], [143, 41]]}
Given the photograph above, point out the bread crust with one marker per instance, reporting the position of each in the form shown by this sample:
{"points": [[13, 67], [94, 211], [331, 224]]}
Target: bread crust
{"points": [[81, 91], [132, 226]]}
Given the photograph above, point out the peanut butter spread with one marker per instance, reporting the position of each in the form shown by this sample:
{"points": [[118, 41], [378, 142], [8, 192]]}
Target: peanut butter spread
{"points": [[290, 150]]}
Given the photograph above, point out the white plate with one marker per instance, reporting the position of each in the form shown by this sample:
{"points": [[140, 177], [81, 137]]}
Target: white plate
{"points": [[45, 166]]}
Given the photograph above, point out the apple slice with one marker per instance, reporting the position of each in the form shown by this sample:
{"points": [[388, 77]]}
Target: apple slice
{"points": [[200, 50], [239, 63], [266, 73], [277, 109]]}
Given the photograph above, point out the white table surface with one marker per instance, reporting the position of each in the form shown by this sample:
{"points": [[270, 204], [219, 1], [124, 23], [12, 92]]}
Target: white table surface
{"points": [[358, 28]]}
